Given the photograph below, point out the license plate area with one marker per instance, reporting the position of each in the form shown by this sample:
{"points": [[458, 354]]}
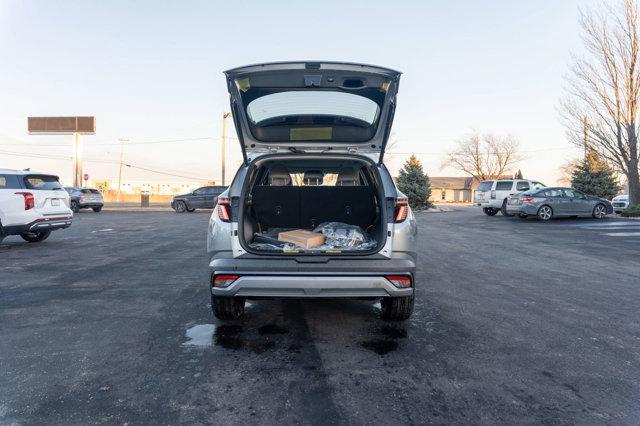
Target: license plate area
{"points": [[55, 202]]}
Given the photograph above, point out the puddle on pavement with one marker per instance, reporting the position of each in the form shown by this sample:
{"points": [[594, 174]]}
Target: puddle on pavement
{"points": [[388, 340], [200, 335], [272, 329], [229, 336]]}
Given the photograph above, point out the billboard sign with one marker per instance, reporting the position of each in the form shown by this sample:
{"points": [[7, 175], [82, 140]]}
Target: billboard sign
{"points": [[61, 125]]}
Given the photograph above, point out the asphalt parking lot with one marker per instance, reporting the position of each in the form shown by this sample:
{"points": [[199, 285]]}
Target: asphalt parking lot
{"points": [[516, 321]]}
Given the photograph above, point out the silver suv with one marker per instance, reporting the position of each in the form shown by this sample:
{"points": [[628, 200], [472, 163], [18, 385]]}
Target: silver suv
{"points": [[312, 136]]}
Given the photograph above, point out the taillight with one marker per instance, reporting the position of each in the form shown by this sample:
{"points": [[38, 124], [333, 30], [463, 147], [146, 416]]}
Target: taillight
{"points": [[29, 201], [224, 209], [224, 281], [402, 210], [527, 198], [400, 281]]}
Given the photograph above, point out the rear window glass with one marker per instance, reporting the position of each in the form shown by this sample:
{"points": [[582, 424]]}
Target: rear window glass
{"points": [[485, 186], [284, 104], [504, 185], [89, 191], [44, 182], [522, 186], [9, 182]]}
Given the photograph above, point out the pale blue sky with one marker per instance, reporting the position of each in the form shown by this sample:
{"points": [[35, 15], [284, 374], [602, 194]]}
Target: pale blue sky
{"points": [[153, 71]]}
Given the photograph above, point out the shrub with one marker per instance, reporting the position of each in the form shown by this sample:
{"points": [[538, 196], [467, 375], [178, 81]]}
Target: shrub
{"points": [[631, 211]]}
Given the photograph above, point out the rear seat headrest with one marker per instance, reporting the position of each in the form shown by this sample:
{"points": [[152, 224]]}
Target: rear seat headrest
{"points": [[279, 176], [348, 177], [313, 177]]}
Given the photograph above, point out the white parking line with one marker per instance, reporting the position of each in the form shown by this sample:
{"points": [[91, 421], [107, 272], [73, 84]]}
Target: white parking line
{"points": [[623, 234]]}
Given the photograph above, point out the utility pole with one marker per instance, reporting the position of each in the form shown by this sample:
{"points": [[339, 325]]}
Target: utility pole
{"points": [[225, 115], [585, 124], [122, 141], [77, 160]]}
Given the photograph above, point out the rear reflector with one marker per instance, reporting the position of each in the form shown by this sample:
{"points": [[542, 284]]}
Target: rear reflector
{"points": [[224, 209], [223, 281], [402, 210], [29, 201], [400, 281]]}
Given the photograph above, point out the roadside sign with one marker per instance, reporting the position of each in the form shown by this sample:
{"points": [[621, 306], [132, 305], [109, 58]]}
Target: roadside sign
{"points": [[62, 125]]}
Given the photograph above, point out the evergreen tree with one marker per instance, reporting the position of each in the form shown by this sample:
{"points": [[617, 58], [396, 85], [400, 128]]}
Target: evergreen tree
{"points": [[518, 175], [594, 176], [414, 183]]}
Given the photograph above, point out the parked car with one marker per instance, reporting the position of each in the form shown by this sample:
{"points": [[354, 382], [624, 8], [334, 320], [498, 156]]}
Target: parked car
{"points": [[32, 205], [492, 195], [85, 198], [547, 203], [312, 136], [202, 198], [620, 203]]}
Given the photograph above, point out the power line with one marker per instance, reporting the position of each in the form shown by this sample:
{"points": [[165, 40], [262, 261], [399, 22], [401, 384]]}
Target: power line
{"points": [[142, 142]]}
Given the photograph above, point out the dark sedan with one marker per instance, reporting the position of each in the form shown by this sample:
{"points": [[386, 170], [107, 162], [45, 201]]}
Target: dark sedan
{"points": [[546, 203], [85, 198], [202, 198]]}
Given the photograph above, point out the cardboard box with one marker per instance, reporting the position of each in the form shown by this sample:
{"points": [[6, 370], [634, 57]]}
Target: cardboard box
{"points": [[302, 238]]}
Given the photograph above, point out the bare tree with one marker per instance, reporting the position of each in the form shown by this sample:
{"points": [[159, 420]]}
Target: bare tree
{"points": [[484, 156], [603, 92]]}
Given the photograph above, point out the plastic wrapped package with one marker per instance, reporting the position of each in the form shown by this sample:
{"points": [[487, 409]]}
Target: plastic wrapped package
{"points": [[340, 235]]}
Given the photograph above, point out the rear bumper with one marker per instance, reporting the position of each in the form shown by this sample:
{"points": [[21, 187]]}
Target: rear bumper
{"points": [[312, 277], [311, 286], [42, 224], [91, 204]]}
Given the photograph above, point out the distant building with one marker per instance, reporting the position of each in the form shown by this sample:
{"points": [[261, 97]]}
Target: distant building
{"points": [[452, 189]]}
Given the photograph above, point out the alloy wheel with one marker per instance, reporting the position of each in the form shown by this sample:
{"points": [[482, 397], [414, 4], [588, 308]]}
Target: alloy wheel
{"points": [[600, 211], [545, 213]]}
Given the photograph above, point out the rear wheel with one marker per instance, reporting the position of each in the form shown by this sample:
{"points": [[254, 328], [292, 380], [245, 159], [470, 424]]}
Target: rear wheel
{"points": [[227, 308], [75, 207], [490, 211], [97, 209], [503, 209], [181, 207], [545, 213], [397, 308], [599, 211], [191, 210], [35, 237]]}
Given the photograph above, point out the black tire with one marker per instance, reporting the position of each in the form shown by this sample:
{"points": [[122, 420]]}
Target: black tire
{"points": [[490, 211], [397, 308], [599, 211], [191, 210], [97, 209], [35, 237], [180, 207], [503, 209], [227, 308], [523, 215], [545, 213], [75, 207]]}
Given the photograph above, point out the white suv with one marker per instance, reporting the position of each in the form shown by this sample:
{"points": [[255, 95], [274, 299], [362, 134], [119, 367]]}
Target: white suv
{"points": [[492, 195], [32, 205]]}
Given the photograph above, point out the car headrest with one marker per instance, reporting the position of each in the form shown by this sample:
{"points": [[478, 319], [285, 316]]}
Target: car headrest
{"points": [[279, 176], [313, 177], [348, 177]]}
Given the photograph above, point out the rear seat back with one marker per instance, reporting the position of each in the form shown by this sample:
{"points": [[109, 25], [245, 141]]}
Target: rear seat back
{"points": [[354, 205], [277, 206]]}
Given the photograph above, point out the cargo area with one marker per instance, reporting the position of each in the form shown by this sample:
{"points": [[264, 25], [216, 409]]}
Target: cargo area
{"points": [[338, 200]]}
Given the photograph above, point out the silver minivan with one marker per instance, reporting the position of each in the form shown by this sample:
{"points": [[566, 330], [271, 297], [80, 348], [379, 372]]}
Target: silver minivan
{"points": [[313, 136]]}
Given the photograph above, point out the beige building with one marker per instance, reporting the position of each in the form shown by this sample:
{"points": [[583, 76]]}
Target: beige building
{"points": [[452, 189]]}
